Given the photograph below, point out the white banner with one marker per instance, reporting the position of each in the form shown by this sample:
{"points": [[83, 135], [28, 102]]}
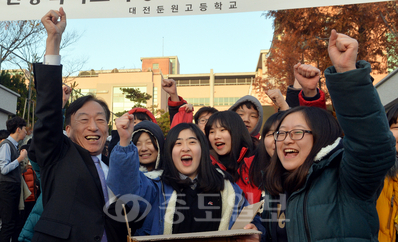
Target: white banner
{"points": [[35, 9]]}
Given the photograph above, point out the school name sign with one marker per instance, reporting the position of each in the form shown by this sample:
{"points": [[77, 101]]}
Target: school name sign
{"points": [[35, 9]]}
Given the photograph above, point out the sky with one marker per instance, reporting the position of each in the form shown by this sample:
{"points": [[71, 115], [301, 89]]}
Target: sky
{"points": [[222, 42]]}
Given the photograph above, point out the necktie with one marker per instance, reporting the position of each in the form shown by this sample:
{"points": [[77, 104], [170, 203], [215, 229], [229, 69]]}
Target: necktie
{"points": [[103, 185]]}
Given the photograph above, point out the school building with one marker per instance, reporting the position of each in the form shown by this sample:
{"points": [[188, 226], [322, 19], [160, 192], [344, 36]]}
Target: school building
{"points": [[219, 90]]}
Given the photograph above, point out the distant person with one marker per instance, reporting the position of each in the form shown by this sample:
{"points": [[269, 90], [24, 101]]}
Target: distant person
{"points": [[10, 178], [3, 135], [180, 110], [251, 112], [202, 116], [140, 114], [149, 139]]}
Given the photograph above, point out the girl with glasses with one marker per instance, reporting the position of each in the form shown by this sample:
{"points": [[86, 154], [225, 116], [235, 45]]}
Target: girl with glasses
{"points": [[320, 187]]}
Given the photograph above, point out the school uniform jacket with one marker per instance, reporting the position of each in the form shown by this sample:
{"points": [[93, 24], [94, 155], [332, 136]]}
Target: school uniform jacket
{"points": [[125, 178]]}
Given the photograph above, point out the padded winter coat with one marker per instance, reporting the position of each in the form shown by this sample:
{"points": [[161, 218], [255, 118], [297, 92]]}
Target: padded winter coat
{"points": [[337, 202]]}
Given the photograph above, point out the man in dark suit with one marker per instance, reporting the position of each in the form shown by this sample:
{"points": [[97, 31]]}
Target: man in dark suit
{"points": [[73, 171]]}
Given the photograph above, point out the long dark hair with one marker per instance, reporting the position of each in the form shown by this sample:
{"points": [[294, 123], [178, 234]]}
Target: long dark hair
{"points": [[262, 158], [209, 179], [240, 138], [325, 130]]}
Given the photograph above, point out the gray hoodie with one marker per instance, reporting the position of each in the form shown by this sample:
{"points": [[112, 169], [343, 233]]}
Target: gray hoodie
{"points": [[259, 109]]}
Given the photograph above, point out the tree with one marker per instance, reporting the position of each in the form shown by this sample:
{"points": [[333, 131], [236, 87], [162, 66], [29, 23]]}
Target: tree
{"points": [[21, 44], [301, 35], [163, 121], [17, 84], [135, 95], [16, 35]]}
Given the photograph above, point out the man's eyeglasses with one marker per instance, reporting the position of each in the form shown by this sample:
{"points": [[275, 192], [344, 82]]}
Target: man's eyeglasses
{"points": [[295, 134], [203, 121]]}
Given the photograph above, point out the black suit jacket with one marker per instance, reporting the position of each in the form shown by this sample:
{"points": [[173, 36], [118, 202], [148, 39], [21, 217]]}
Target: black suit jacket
{"points": [[73, 200]]}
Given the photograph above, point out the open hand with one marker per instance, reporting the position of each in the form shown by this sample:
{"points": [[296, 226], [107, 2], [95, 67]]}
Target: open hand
{"points": [[188, 107]]}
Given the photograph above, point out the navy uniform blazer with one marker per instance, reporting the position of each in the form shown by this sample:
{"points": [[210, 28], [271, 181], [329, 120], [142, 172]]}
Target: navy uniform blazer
{"points": [[73, 200]]}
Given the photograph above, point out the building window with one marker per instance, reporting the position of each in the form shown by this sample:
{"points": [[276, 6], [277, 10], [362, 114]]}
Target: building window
{"points": [[199, 101], [155, 66], [120, 103], [85, 92], [193, 82], [225, 101], [155, 99], [217, 81], [232, 81]]}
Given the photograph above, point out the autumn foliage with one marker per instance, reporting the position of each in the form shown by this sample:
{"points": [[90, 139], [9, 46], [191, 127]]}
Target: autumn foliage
{"points": [[301, 35]]}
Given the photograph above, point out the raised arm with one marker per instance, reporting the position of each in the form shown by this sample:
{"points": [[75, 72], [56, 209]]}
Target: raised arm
{"points": [[170, 87], [47, 134], [174, 101], [124, 176], [277, 98], [369, 147], [308, 77]]}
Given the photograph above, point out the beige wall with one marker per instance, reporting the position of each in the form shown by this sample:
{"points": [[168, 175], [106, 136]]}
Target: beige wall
{"points": [[105, 83]]}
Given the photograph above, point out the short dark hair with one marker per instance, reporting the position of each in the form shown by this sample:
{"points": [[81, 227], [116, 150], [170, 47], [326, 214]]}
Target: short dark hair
{"points": [[203, 110], [79, 103], [262, 158], [240, 138], [4, 134], [325, 130], [142, 116], [248, 104], [14, 123], [209, 179], [392, 115]]}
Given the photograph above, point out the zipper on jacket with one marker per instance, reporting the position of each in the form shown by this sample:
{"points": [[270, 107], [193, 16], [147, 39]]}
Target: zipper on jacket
{"points": [[307, 230], [390, 214]]}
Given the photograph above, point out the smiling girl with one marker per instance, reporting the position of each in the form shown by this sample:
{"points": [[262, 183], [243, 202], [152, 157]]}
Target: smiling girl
{"points": [[265, 150], [322, 187], [189, 190], [149, 139], [231, 150]]}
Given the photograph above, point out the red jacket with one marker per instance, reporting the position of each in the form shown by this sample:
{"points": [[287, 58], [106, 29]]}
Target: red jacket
{"points": [[30, 178], [181, 117], [320, 103], [251, 191], [143, 110]]}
